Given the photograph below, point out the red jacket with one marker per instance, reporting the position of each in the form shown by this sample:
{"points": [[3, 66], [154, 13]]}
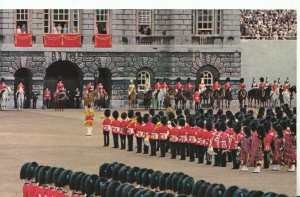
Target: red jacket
{"points": [[178, 86], [157, 86], [2, 86], [49, 192], [123, 124], [242, 86], [207, 138], [131, 127], [164, 85], [183, 134], [197, 97], [106, 124], [115, 126], [274, 87], [174, 133], [216, 86], [59, 86], [234, 141], [262, 86], [20, 86], [227, 86], [189, 86], [25, 190], [139, 130], [47, 95], [192, 133], [163, 132], [285, 88], [153, 132], [99, 86], [200, 137], [31, 189], [40, 191]]}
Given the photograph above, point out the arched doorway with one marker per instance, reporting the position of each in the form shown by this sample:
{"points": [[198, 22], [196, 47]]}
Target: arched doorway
{"points": [[145, 76], [104, 77], [25, 75], [208, 73], [71, 77]]}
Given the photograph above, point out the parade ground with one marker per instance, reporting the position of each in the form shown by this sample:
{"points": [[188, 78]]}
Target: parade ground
{"points": [[58, 139]]}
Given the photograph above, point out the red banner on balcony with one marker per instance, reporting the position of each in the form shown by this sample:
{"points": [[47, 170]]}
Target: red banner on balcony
{"points": [[62, 40], [23, 40], [103, 40]]}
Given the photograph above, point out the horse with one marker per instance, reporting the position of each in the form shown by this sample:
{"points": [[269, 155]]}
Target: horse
{"points": [[228, 98], [275, 98], [253, 94], [160, 98], [292, 90], [188, 94], [59, 100], [147, 99], [132, 100], [219, 96], [100, 99], [180, 99], [4, 96], [206, 96], [242, 95], [20, 99], [168, 97], [265, 96]]}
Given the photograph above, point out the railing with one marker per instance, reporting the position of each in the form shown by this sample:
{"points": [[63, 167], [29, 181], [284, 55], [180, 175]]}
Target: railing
{"points": [[155, 40], [207, 40], [268, 37]]}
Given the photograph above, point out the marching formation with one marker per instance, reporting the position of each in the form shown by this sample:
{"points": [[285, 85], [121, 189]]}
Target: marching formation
{"points": [[120, 180], [244, 138]]}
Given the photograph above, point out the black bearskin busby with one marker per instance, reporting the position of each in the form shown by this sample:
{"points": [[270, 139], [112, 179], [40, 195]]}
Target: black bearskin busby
{"points": [[241, 80], [227, 79], [107, 113], [23, 170], [178, 79], [261, 79], [188, 80], [115, 114]]}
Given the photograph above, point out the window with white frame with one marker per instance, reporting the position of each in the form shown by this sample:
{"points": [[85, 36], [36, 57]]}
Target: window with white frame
{"points": [[143, 80], [58, 21], [207, 77], [208, 22], [144, 22], [22, 21], [102, 21]]}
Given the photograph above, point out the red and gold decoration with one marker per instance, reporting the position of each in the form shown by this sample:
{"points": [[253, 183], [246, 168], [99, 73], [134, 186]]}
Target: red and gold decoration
{"points": [[62, 40], [23, 40], [103, 40]]}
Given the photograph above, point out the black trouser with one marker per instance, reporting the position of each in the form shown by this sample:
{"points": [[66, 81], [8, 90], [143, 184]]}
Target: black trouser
{"points": [[217, 157], [130, 142], [208, 157], [192, 152], [236, 164], [197, 106], [173, 146], [163, 148], [139, 142], [106, 138], [266, 159], [116, 140], [123, 141], [167, 145], [178, 149], [146, 149], [200, 153], [153, 147], [229, 156], [47, 103], [182, 151], [223, 157], [34, 103]]}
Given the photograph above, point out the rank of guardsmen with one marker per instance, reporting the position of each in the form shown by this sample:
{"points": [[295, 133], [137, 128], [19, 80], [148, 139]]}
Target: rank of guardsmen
{"points": [[120, 180]]}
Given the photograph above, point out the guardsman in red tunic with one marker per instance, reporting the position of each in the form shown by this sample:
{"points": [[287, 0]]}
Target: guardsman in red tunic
{"points": [[3, 86], [47, 97], [192, 133], [49, 182], [178, 86], [174, 133], [223, 146], [234, 140], [89, 87], [164, 85], [146, 127], [242, 85], [227, 85], [163, 133], [274, 86], [197, 99], [262, 84], [230, 133], [41, 179], [200, 138], [189, 86], [267, 143], [123, 130], [278, 148], [153, 135], [31, 187], [289, 150], [209, 134], [130, 129], [157, 87], [24, 178], [115, 128], [182, 138], [60, 86], [106, 127], [255, 157], [100, 87], [20, 87], [216, 85], [139, 134], [286, 87]]}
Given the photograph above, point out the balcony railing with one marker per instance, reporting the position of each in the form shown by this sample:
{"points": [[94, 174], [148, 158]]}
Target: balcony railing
{"points": [[250, 37], [207, 40], [155, 40]]}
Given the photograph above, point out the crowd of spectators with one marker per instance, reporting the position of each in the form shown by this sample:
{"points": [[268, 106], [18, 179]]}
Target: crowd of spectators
{"points": [[269, 24]]}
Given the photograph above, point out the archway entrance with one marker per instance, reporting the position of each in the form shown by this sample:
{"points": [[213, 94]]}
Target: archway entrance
{"points": [[25, 75], [104, 77], [71, 77], [209, 74]]}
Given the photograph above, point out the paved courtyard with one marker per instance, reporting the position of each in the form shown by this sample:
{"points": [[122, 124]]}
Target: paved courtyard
{"points": [[58, 139]]}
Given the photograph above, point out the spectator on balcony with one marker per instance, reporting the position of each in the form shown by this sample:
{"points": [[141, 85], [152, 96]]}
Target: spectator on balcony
{"points": [[23, 29], [103, 30], [59, 28], [19, 29], [65, 29], [54, 30]]}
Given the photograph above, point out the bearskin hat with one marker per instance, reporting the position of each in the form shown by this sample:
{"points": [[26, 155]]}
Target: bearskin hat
{"points": [[124, 115], [208, 192], [132, 173], [23, 170], [109, 169], [241, 80], [187, 185], [137, 114], [157, 80], [130, 114], [49, 175], [36, 173], [82, 183], [149, 193], [56, 175], [200, 124], [178, 79], [139, 174], [111, 190], [188, 80], [72, 180], [154, 180], [115, 114], [174, 122], [152, 112], [181, 122], [146, 176], [64, 178], [122, 174], [202, 189], [119, 189], [133, 191], [89, 184], [107, 113], [161, 113], [175, 179], [168, 183], [192, 122], [162, 181], [230, 191], [164, 120], [99, 183], [178, 112], [218, 191], [145, 118], [240, 192], [115, 171], [42, 175], [139, 119], [261, 79], [196, 187], [126, 189], [78, 180], [102, 170], [223, 126], [187, 111], [30, 170]]}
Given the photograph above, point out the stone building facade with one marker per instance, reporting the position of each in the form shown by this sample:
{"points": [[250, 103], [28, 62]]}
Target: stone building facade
{"points": [[178, 46]]}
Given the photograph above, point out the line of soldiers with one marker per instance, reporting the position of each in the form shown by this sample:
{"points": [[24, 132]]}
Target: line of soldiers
{"points": [[239, 138], [118, 180], [265, 84]]}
